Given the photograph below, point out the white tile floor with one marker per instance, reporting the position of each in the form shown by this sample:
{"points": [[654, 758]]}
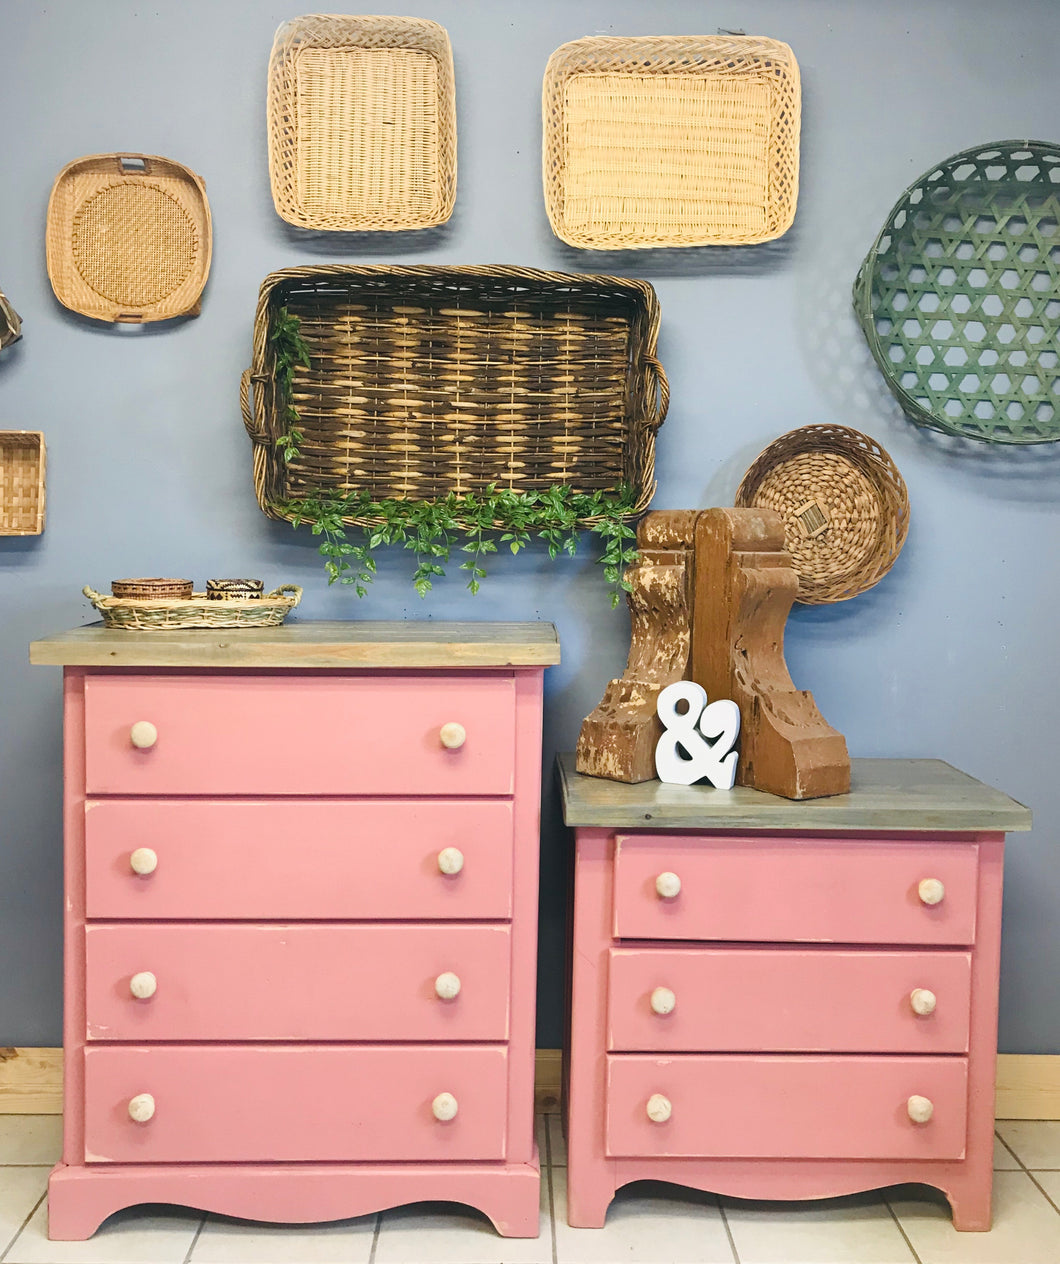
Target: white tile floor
{"points": [[648, 1223]]}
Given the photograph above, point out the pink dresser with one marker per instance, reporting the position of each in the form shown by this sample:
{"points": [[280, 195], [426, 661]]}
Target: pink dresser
{"points": [[785, 1000], [301, 919]]}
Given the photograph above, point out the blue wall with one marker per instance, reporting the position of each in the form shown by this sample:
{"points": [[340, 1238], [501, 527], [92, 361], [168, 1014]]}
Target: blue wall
{"points": [[953, 655]]}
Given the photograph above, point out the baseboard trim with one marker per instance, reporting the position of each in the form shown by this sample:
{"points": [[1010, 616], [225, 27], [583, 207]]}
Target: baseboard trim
{"points": [[1028, 1084]]}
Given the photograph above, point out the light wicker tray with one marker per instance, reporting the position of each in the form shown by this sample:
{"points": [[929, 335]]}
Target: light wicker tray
{"points": [[362, 123], [22, 461], [671, 141], [128, 238], [158, 614]]}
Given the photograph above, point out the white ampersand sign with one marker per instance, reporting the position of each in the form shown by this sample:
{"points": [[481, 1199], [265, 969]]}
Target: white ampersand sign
{"points": [[705, 733]]}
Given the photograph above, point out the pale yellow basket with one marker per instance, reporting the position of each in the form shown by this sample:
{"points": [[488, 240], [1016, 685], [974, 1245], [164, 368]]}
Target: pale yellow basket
{"points": [[671, 141], [162, 614], [362, 123], [22, 461]]}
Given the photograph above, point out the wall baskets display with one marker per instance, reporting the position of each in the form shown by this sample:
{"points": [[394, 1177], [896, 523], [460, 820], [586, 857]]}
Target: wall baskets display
{"points": [[128, 238], [362, 123], [671, 141], [23, 457], [844, 504], [415, 382], [958, 296]]}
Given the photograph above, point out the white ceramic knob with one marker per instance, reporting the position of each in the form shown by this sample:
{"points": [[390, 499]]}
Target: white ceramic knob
{"points": [[143, 985], [668, 885], [923, 1001], [447, 985], [453, 735], [663, 1001], [920, 1109], [141, 1108], [659, 1108], [143, 734], [931, 891], [444, 1107], [450, 860], [144, 860]]}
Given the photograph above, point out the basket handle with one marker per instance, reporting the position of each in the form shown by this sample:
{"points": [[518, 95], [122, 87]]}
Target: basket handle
{"points": [[92, 595], [252, 419], [294, 589], [658, 392]]}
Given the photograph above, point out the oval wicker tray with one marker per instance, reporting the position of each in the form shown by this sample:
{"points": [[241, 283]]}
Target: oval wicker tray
{"points": [[159, 614], [958, 295], [128, 238], [844, 504]]}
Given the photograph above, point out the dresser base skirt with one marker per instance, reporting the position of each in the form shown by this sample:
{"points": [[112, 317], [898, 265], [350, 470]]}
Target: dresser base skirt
{"points": [[80, 1198]]}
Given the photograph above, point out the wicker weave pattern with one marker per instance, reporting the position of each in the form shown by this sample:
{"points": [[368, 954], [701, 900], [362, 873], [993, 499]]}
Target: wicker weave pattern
{"points": [[362, 123], [671, 141], [958, 295], [10, 322], [128, 238], [159, 614], [844, 504], [22, 463], [432, 380]]}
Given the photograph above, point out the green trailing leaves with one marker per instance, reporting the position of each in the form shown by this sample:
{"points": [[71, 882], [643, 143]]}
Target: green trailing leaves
{"points": [[289, 349]]}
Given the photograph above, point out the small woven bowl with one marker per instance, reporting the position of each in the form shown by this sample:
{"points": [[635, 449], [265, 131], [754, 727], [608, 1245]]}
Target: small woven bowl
{"points": [[844, 504], [221, 589], [152, 589]]}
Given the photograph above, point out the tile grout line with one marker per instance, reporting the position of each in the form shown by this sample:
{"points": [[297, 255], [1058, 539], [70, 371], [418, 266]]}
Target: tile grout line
{"points": [[551, 1194], [198, 1231], [728, 1232], [901, 1230], [375, 1236], [22, 1227], [1027, 1171]]}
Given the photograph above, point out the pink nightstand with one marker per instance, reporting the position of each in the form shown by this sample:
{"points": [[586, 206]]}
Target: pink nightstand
{"points": [[785, 1000], [301, 919]]}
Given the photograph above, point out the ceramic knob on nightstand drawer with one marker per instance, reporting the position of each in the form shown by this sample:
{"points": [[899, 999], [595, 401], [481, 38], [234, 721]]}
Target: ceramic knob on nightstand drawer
{"points": [[659, 1108], [143, 861], [447, 985], [141, 1108], [931, 891], [453, 735], [143, 734], [668, 885], [663, 1001], [444, 1107], [923, 1001], [143, 985], [450, 860], [920, 1109]]}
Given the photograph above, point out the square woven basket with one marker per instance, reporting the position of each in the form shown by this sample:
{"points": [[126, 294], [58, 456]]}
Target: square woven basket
{"points": [[430, 380], [671, 141], [362, 123], [22, 462]]}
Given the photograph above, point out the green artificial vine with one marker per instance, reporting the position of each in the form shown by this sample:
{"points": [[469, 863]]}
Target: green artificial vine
{"points": [[432, 529]]}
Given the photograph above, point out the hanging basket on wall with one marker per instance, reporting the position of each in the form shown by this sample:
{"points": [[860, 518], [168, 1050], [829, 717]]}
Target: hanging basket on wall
{"points": [[958, 295], [844, 504]]}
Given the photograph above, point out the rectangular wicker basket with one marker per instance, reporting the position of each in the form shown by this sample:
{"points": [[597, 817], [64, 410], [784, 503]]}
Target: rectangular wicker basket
{"points": [[671, 141], [362, 123], [22, 462], [430, 380]]}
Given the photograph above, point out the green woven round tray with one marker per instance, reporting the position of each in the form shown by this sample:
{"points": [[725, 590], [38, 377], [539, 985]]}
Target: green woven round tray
{"points": [[958, 295]]}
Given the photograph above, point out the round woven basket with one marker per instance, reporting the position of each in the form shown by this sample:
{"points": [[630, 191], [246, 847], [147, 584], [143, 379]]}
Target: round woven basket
{"points": [[844, 504], [153, 589]]}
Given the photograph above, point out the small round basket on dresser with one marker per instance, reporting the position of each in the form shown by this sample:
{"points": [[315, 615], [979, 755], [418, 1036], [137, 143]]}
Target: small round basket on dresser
{"points": [[844, 504]]}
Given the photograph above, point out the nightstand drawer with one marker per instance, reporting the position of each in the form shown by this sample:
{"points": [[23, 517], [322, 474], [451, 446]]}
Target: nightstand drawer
{"points": [[297, 982], [290, 1104], [788, 1000], [378, 734], [299, 859], [781, 1108], [871, 891]]}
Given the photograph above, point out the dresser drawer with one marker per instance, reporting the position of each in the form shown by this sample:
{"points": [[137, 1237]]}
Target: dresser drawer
{"points": [[784, 1000], [786, 1107], [339, 860], [300, 982], [796, 890], [294, 1103], [289, 734]]}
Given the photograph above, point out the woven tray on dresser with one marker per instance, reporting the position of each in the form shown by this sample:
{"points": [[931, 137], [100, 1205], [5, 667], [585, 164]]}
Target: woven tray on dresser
{"points": [[430, 380], [671, 141], [128, 238], [362, 123]]}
